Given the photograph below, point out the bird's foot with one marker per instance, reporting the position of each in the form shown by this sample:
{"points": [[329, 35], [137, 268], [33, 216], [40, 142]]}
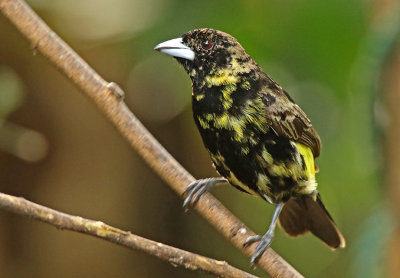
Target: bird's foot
{"points": [[263, 243], [198, 188]]}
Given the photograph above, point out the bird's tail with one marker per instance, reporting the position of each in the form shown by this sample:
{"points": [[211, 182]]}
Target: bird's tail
{"points": [[308, 213]]}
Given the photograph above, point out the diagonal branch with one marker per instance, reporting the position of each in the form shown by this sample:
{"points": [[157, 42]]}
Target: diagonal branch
{"points": [[109, 98], [99, 229]]}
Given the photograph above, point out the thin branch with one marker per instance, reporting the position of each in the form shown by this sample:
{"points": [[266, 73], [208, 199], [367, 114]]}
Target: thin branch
{"points": [[109, 98], [173, 255]]}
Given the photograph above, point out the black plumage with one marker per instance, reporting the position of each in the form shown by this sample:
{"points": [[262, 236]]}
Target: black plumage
{"points": [[258, 138]]}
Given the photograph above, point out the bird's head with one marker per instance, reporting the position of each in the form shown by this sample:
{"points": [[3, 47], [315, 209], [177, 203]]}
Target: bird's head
{"points": [[204, 51]]}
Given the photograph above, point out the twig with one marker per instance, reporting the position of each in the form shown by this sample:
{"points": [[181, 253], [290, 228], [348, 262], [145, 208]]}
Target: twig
{"points": [[173, 255], [108, 97]]}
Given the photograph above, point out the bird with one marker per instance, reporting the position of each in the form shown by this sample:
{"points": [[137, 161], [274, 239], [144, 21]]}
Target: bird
{"points": [[259, 140]]}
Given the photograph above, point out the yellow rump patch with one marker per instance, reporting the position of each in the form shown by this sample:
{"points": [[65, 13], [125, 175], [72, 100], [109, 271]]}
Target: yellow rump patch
{"points": [[308, 159]]}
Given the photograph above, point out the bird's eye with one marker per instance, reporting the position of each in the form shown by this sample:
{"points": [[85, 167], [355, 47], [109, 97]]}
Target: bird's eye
{"points": [[206, 45]]}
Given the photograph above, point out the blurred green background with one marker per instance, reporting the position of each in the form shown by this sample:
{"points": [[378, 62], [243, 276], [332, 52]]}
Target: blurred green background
{"points": [[57, 149]]}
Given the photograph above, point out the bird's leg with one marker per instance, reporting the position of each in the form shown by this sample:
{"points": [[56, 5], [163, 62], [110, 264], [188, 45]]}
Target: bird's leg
{"points": [[265, 240], [198, 188]]}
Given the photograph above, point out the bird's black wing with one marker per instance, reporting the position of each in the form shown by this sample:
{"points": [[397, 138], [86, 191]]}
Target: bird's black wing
{"points": [[288, 120]]}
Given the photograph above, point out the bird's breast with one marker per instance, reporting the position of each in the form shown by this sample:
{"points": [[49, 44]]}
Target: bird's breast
{"points": [[232, 112]]}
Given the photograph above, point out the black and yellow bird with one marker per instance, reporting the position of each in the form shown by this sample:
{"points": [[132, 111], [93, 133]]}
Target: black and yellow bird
{"points": [[258, 138]]}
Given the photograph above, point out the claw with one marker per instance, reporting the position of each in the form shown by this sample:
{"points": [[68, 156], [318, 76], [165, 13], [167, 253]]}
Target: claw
{"points": [[264, 242], [252, 239], [197, 188], [189, 187], [199, 193], [192, 189]]}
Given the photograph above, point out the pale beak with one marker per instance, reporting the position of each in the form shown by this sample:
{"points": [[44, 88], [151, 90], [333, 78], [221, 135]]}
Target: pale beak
{"points": [[176, 48]]}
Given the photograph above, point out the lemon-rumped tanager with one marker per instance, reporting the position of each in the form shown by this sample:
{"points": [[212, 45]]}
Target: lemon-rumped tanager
{"points": [[258, 138]]}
